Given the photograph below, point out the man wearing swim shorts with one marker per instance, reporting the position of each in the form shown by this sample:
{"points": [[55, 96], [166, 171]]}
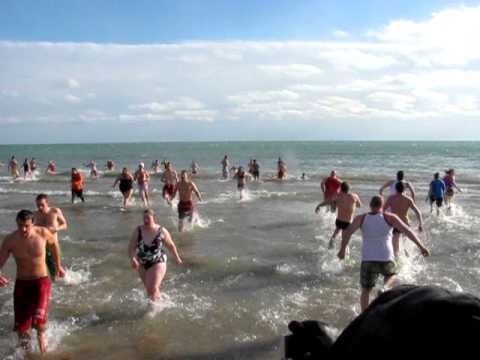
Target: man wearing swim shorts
{"points": [[170, 178], [330, 188], [31, 295], [346, 203], [51, 218], [142, 177], [186, 208], [436, 192]]}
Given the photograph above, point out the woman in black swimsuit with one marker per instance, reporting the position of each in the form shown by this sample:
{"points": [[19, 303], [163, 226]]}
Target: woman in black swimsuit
{"points": [[126, 186], [147, 253]]}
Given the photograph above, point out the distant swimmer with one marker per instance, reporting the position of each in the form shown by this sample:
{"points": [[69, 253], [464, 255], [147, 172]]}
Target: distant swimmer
{"points": [[26, 168], [31, 295], [377, 250], [331, 187], [93, 169], [304, 177], [110, 165], [195, 168], [436, 192], [255, 170], [399, 204], [126, 186], [146, 251], [450, 183], [170, 179], [391, 185], [51, 168], [225, 165], [33, 165], [51, 218], [156, 168], [77, 185], [241, 176], [346, 203], [13, 167], [186, 208], [142, 178], [281, 169]]}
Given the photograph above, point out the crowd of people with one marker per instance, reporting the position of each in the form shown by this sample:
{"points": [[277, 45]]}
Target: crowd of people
{"points": [[35, 245]]}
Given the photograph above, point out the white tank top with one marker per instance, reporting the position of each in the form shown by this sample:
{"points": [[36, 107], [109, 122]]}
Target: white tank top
{"points": [[377, 239]]}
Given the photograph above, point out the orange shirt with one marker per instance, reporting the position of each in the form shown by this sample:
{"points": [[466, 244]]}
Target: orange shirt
{"points": [[77, 182]]}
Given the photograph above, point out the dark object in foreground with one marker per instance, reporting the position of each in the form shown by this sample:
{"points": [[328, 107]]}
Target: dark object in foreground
{"points": [[406, 321]]}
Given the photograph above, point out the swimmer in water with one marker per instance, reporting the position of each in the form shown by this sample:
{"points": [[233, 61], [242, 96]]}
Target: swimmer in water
{"points": [[451, 184], [126, 186], [225, 164], [110, 165], [331, 187], [281, 169], [13, 167], [26, 168], [51, 168], [142, 178], [436, 192], [391, 185], [186, 207], [170, 179], [195, 168], [77, 185], [241, 176]]}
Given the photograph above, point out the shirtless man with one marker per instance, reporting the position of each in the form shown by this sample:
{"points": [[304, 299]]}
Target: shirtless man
{"points": [[346, 203], [33, 165], [391, 185], [13, 167], [31, 295], [156, 166], [142, 177], [170, 179], [225, 164], [110, 165], [185, 205], [93, 169], [241, 176], [282, 169], [51, 168], [195, 168], [255, 170], [331, 187], [26, 168], [399, 204], [52, 219]]}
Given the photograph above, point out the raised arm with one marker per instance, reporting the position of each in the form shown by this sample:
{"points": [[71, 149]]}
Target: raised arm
{"points": [[167, 238], [52, 243], [347, 234], [384, 186], [4, 254], [398, 224], [412, 191], [62, 223]]}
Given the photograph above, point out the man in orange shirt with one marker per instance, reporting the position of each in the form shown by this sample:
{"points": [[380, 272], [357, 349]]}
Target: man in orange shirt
{"points": [[77, 185]]}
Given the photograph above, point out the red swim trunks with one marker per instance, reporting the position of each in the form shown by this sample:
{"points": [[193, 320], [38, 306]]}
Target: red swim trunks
{"points": [[170, 190], [30, 303], [185, 208]]}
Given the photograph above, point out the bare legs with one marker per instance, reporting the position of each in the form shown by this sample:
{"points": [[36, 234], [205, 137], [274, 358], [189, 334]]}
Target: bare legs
{"points": [[152, 279]]}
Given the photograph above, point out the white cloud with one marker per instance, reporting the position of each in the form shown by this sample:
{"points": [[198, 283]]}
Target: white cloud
{"points": [[72, 83], [69, 98], [340, 34], [291, 70]]}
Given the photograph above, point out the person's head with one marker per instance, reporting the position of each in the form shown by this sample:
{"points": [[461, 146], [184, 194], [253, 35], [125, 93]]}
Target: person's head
{"points": [[399, 187], [42, 202], [74, 171], [436, 176], [345, 187], [240, 169], [254, 161], [124, 171], [184, 175], [400, 175], [168, 165], [25, 222], [450, 172], [26, 159], [13, 157], [141, 166], [376, 203], [149, 217], [333, 173]]}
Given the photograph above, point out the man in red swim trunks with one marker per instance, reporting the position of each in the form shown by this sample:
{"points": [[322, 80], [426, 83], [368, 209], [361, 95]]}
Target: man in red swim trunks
{"points": [[330, 188], [185, 206], [170, 178], [32, 286]]}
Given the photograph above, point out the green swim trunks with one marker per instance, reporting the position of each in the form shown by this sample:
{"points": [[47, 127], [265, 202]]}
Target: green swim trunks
{"points": [[370, 270]]}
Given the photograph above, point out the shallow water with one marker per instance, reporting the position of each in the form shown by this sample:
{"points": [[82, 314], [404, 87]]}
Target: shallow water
{"points": [[250, 266]]}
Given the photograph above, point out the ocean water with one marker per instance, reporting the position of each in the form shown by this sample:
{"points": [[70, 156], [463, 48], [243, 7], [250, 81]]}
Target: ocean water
{"points": [[250, 266]]}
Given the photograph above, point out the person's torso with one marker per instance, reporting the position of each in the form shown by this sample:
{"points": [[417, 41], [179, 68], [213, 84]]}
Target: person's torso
{"points": [[438, 188], [185, 190], [377, 238], [332, 186], [29, 255], [346, 205], [399, 205]]}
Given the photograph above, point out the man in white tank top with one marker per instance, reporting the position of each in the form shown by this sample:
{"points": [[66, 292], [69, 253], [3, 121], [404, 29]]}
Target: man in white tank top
{"points": [[377, 249]]}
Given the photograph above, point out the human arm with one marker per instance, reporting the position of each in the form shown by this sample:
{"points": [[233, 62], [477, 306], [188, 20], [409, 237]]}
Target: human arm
{"points": [[52, 243], [4, 254], [347, 234], [167, 238], [62, 222], [416, 210], [412, 190], [322, 186], [325, 203], [116, 181], [358, 202], [132, 249], [384, 186], [394, 221], [195, 190]]}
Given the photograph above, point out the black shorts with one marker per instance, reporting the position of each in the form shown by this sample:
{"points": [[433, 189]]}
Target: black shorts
{"points": [[396, 231], [240, 186], [342, 225], [438, 201], [256, 173], [77, 193]]}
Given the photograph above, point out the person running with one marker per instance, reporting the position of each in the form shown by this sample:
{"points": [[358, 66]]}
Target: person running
{"points": [[170, 179], [225, 165], [195, 168], [142, 178], [26, 168], [241, 176], [126, 186], [110, 165], [146, 251], [77, 185], [13, 167], [377, 249], [93, 169], [51, 218], [186, 208], [33, 165], [399, 204], [281, 169], [436, 192], [31, 295], [156, 168], [331, 187], [450, 183], [51, 168], [346, 203], [391, 185]]}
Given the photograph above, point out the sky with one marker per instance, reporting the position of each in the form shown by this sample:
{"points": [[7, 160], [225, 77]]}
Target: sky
{"points": [[124, 71]]}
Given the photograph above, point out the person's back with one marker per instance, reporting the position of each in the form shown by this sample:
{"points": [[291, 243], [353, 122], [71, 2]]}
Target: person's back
{"points": [[437, 188], [346, 205], [399, 205], [77, 181], [377, 238]]}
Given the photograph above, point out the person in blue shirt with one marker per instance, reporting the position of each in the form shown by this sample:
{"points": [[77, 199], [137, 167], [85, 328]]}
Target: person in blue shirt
{"points": [[436, 193]]}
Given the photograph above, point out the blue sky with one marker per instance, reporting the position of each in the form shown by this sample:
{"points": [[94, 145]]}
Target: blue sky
{"points": [[76, 71]]}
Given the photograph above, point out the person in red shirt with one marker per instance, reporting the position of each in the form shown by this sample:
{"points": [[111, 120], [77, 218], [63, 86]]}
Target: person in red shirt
{"points": [[77, 185], [330, 188]]}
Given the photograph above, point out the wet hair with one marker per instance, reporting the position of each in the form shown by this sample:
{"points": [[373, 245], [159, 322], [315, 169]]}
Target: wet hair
{"points": [[41, 197], [24, 216], [376, 202], [149, 212], [436, 176], [400, 175], [400, 187], [345, 187]]}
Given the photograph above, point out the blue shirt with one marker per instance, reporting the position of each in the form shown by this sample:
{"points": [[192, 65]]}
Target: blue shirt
{"points": [[437, 188]]}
